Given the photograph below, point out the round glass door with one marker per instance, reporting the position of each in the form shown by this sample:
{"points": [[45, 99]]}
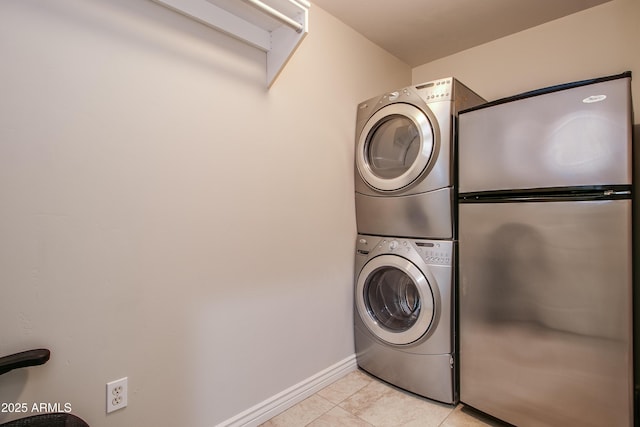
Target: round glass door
{"points": [[395, 147], [394, 299]]}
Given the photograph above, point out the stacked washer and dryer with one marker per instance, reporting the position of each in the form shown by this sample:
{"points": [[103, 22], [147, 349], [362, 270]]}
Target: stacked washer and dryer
{"points": [[404, 264]]}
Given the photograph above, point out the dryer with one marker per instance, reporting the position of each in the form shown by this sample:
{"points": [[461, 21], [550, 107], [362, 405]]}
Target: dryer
{"points": [[403, 320], [404, 175]]}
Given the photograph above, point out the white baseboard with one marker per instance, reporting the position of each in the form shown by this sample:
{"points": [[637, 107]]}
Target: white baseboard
{"points": [[282, 401]]}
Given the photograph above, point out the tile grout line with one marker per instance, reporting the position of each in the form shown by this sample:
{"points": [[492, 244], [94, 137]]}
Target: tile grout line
{"points": [[325, 412], [353, 394], [338, 405], [448, 415]]}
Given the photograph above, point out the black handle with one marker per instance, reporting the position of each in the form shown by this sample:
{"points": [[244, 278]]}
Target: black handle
{"points": [[24, 359]]}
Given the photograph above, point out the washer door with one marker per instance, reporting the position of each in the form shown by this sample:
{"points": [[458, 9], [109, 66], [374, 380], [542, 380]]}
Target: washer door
{"points": [[395, 147], [394, 299]]}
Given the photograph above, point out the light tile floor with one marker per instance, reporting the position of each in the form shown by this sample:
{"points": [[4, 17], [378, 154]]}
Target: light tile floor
{"points": [[360, 400]]}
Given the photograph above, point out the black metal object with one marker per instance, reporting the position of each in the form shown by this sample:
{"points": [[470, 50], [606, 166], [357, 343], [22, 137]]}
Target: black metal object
{"points": [[36, 357], [48, 420], [24, 359]]}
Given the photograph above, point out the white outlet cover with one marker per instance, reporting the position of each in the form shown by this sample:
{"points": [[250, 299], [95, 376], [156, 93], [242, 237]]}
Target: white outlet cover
{"points": [[117, 394]]}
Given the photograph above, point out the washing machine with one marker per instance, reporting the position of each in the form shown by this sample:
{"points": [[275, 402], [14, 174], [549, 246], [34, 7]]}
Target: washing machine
{"points": [[404, 177], [403, 321]]}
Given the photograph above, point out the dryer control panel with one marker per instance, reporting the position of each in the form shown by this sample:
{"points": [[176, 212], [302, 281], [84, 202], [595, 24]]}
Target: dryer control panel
{"points": [[437, 90]]}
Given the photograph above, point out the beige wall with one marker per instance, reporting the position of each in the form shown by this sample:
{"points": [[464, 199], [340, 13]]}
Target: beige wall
{"points": [[596, 42], [165, 217]]}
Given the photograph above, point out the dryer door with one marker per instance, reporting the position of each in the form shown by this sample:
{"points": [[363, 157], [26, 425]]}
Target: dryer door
{"points": [[395, 147], [394, 300]]}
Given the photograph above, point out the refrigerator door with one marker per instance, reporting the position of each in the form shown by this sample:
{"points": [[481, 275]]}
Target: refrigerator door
{"points": [[580, 136], [545, 312]]}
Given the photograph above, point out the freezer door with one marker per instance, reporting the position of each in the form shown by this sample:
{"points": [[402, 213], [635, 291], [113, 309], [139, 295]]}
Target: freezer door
{"points": [[573, 137], [545, 312]]}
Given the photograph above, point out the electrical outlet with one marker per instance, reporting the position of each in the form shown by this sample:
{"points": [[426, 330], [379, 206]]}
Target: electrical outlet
{"points": [[116, 394]]}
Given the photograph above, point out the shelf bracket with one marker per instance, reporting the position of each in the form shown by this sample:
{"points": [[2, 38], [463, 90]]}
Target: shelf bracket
{"points": [[276, 27]]}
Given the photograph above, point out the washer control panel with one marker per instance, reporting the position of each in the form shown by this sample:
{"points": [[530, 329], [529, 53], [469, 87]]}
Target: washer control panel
{"points": [[433, 252], [438, 253]]}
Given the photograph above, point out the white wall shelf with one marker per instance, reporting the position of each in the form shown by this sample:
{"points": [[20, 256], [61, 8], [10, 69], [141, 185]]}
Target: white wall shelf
{"points": [[276, 27]]}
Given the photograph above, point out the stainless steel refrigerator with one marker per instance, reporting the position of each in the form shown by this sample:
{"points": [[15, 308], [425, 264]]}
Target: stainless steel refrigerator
{"points": [[545, 266]]}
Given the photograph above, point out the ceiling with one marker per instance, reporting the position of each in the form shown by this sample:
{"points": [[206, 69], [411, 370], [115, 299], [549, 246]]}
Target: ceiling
{"points": [[420, 31]]}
